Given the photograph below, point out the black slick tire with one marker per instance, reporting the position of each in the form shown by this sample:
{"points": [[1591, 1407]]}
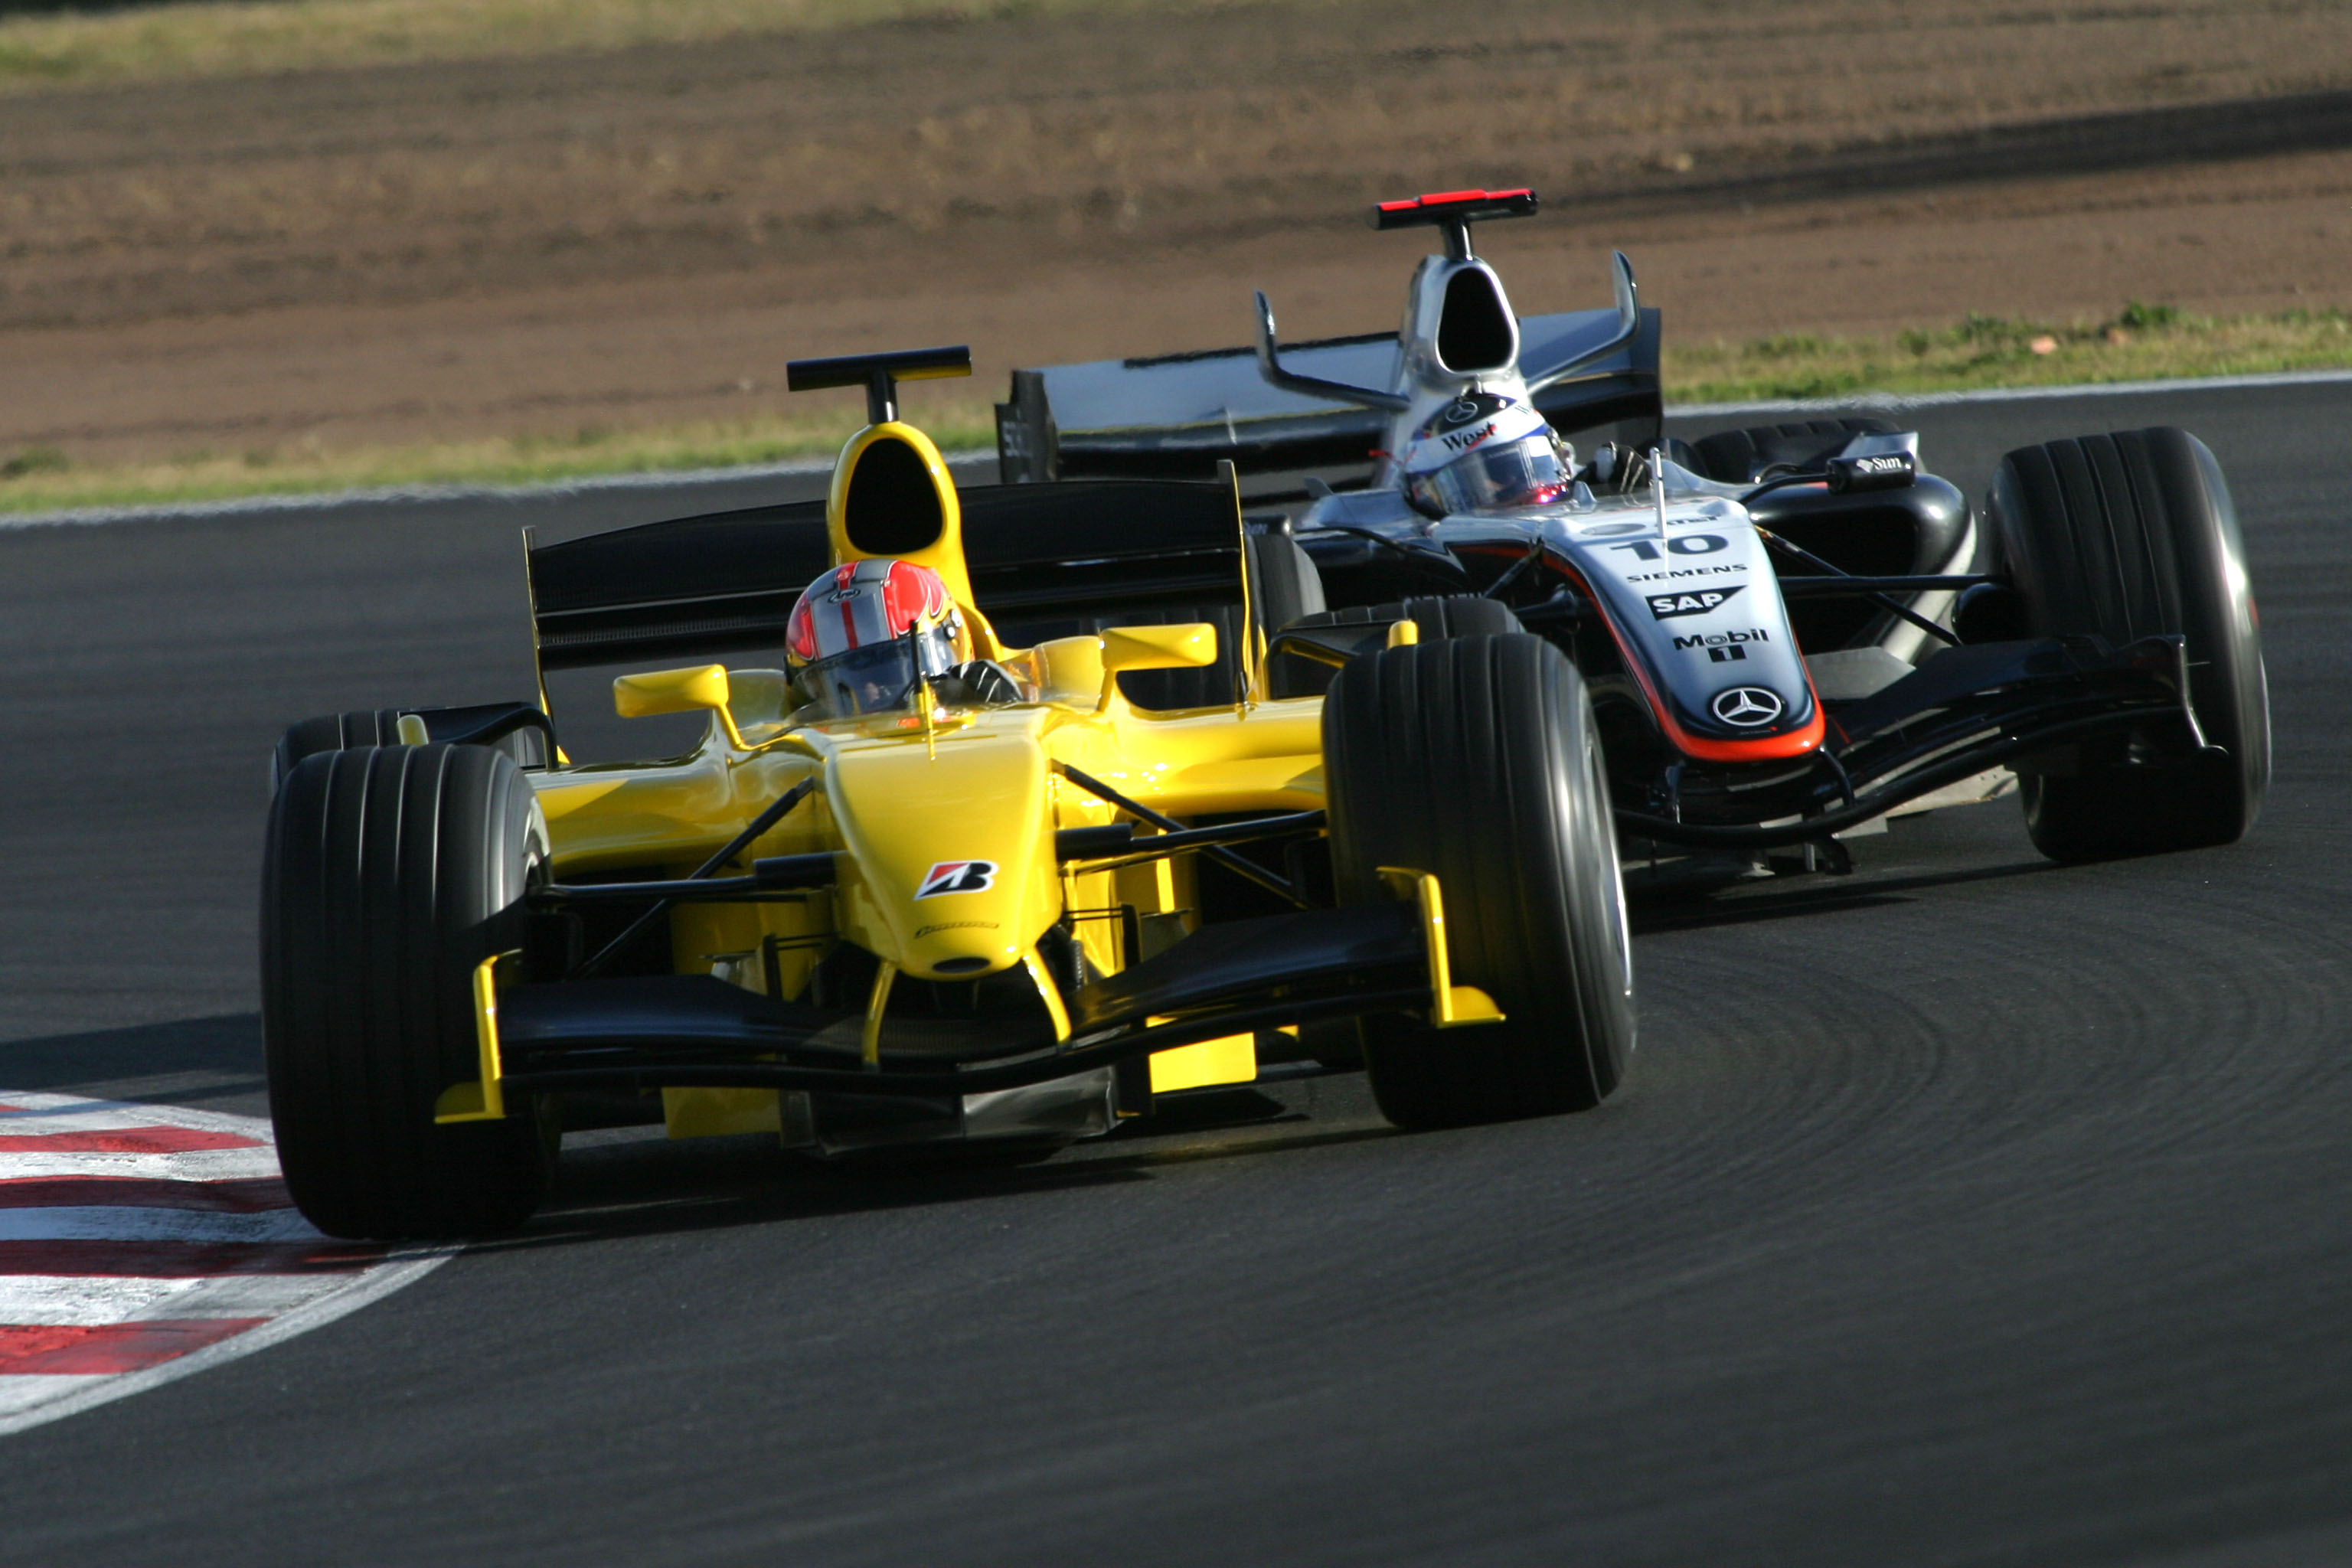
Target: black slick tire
{"points": [[1477, 759], [389, 874], [2127, 536], [331, 732]]}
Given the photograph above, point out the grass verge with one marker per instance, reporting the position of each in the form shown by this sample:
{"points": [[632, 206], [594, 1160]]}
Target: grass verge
{"points": [[42, 479], [2141, 342], [228, 37]]}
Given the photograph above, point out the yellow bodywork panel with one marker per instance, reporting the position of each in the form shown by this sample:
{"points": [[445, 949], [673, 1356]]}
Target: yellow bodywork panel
{"points": [[1450, 1005], [720, 1112], [944, 819], [950, 845], [483, 1099], [863, 468], [948, 828], [1233, 1059], [940, 822], [696, 687]]}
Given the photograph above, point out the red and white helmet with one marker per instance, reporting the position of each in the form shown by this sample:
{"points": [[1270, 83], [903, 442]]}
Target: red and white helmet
{"points": [[861, 634]]}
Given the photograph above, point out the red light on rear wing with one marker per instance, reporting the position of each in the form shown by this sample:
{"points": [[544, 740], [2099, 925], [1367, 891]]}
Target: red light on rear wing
{"points": [[1453, 207]]}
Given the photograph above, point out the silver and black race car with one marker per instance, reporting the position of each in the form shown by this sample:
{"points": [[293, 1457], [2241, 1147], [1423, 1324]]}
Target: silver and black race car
{"points": [[1787, 633]]}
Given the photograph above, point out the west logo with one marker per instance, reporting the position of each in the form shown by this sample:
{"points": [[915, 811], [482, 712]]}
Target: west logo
{"points": [[1690, 602], [957, 876]]}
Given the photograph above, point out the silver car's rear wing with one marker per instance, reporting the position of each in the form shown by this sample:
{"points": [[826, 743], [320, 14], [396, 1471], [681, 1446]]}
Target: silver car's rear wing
{"points": [[1175, 416]]}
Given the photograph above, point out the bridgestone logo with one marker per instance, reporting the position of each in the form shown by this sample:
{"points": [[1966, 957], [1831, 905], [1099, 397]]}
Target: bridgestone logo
{"points": [[957, 876]]}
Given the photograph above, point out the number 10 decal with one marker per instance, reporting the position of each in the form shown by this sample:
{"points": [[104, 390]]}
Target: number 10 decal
{"points": [[1682, 544]]}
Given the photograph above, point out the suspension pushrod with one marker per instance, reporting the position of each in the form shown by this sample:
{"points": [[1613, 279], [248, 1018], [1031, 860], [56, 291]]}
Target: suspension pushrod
{"points": [[1240, 866], [761, 823]]}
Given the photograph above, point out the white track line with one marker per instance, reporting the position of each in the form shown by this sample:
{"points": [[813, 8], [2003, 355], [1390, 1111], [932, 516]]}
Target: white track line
{"points": [[84, 1299], [319, 501], [688, 478]]}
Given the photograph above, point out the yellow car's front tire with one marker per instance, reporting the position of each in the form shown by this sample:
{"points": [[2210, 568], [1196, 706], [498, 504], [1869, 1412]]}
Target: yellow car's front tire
{"points": [[390, 874], [1478, 760]]}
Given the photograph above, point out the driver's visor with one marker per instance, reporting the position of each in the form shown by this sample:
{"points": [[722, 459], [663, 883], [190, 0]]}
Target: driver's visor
{"points": [[876, 679], [1525, 473]]}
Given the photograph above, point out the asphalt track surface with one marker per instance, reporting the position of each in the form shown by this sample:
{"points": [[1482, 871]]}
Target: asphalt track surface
{"points": [[1969, 1210]]}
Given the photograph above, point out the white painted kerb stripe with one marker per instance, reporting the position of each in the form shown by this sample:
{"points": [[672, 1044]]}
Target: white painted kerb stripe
{"points": [[31, 1115], [291, 1303], [195, 1165], [58, 1397], [88, 1300]]}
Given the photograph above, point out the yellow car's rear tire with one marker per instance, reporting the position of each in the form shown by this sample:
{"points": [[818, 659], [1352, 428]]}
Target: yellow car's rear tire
{"points": [[1477, 759], [389, 874], [331, 732]]}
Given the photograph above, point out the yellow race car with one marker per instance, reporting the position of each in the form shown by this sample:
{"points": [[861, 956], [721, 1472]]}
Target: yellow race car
{"points": [[1115, 815]]}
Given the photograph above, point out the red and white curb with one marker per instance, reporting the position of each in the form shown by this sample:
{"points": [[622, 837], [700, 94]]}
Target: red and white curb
{"points": [[142, 1243]]}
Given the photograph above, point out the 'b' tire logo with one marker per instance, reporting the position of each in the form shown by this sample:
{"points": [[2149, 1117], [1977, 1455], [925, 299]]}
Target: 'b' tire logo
{"points": [[957, 876]]}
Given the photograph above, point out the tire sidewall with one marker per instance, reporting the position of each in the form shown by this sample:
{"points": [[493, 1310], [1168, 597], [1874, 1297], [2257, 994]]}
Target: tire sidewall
{"points": [[2191, 519], [1510, 809]]}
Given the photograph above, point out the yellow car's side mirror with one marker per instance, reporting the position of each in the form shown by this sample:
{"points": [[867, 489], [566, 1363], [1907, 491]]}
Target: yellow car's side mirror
{"points": [[701, 687], [1188, 645], [1185, 646]]}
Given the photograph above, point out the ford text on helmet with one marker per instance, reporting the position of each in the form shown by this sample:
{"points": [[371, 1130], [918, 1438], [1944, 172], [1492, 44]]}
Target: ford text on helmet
{"points": [[1482, 452], [863, 633]]}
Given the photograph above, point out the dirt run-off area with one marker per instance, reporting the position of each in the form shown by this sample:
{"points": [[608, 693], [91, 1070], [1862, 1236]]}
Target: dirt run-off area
{"points": [[402, 255]]}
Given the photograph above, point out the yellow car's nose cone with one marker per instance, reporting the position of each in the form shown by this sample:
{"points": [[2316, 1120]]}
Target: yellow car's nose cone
{"points": [[953, 847]]}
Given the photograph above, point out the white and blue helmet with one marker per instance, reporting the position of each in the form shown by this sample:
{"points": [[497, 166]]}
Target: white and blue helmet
{"points": [[1484, 452]]}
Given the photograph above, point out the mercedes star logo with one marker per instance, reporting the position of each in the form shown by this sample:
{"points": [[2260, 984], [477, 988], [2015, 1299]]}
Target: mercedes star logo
{"points": [[1746, 707]]}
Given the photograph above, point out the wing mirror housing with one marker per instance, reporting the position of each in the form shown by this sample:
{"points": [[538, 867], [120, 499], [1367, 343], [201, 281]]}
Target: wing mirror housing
{"points": [[1188, 645], [699, 687]]}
